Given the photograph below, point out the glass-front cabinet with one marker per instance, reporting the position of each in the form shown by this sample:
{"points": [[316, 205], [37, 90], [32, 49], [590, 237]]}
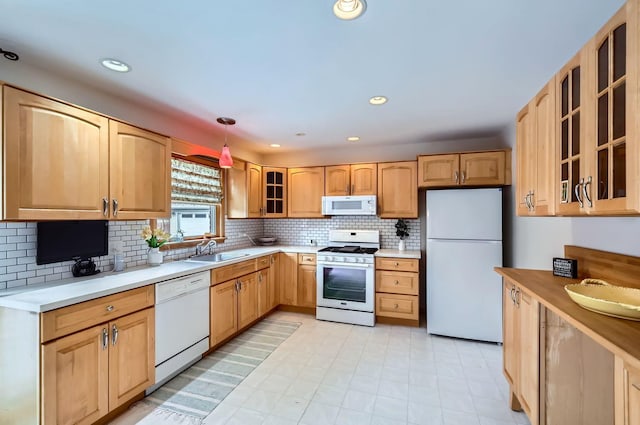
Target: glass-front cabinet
{"points": [[274, 192], [570, 179]]}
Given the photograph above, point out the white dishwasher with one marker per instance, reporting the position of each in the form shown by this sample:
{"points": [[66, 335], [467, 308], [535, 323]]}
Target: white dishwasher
{"points": [[182, 324]]}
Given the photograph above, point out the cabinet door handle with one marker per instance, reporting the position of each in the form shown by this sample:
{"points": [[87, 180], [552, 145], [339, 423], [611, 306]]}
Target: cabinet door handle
{"points": [[532, 201], [260, 277], [464, 177], [115, 207], [105, 338], [114, 334], [455, 176], [517, 296], [110, 308], [513, 298], [585, 191], [353, 189], [272, 260], [346, 190], [576, 191], [105, 207]]}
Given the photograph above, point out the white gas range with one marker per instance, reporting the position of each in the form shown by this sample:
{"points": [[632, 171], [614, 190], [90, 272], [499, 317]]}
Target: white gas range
{"points": [[346, 277]]}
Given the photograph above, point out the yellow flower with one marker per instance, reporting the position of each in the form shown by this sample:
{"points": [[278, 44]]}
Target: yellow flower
{"points": [[146, 233]]}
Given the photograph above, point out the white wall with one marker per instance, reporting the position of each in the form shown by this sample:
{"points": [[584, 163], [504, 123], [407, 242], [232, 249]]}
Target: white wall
{"points": [[536, 240]]}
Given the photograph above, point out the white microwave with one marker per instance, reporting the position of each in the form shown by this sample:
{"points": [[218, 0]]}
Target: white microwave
{"points": [[349, 205]]}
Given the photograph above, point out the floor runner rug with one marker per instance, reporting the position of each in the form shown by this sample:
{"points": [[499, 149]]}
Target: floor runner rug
{"points": [[200, 388]]}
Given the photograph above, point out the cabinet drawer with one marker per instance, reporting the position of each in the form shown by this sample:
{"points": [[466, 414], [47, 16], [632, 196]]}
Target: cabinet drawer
{"points": [[263, 262], [398, 306], [397, 282], [232, 271], [306, 258], [67, 320], [400, 264]]}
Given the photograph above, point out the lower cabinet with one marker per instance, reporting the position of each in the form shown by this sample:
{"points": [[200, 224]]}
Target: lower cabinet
{"points": [[307, 280], [247, 295], [288, 270], [397, 285], [627, 394], [521, 328], [99, 368]]}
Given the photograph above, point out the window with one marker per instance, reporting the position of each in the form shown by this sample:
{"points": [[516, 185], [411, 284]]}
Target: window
{"points": [[196, 199]]}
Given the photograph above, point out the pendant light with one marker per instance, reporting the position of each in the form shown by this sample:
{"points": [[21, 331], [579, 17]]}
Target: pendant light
{"points": [[349, 9], [225, 160]]}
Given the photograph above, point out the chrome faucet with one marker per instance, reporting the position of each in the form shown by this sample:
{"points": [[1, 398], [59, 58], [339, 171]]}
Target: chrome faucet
{"points": [[210, 245]]}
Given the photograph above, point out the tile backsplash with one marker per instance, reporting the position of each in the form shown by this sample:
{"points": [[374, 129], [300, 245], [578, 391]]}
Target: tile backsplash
{"points": [[18, 243], [296, 231]]}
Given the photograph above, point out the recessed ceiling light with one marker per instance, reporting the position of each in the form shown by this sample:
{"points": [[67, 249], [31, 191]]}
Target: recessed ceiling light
{"points": [[353, 138], [349, 9], [378, 100], [301, 134], [274, 145], [115, 65]]}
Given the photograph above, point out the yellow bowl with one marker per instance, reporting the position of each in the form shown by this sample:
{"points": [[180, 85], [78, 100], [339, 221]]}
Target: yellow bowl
{"points": [[616, 301]]}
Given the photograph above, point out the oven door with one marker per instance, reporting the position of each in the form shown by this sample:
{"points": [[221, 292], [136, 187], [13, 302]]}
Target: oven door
{"points": [[345, 286]]}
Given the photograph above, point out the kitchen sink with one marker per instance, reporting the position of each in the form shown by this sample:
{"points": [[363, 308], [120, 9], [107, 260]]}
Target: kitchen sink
{"points": [[222, 256]]}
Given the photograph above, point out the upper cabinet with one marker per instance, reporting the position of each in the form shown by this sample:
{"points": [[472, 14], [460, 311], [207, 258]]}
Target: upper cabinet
{"points": [[63, 163], [56, 160], [492, 168], [595, 162], [244, 190], [139, 173], [535, 147], [611, 184], [305, 190], [355, 179], [397, 189], [274, 192]]}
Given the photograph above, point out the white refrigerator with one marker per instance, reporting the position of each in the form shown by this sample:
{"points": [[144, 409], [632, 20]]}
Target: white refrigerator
{"points": [[464, 244]]}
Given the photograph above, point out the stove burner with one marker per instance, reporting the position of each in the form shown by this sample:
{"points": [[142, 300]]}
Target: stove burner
{"points": [[349, 249]]}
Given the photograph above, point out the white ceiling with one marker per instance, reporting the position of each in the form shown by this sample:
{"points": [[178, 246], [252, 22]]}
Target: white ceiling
{"points": [[449, 68]]}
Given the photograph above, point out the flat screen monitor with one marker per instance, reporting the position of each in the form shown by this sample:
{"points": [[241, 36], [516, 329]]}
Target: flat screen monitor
{"points": [[66, 240]]}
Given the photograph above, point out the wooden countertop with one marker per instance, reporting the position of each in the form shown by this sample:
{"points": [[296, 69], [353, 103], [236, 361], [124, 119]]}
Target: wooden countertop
{"points": [[620, 336]]}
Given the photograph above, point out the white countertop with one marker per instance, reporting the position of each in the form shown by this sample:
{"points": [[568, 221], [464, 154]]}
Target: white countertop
{"points": [[49, 296], [52, 295], [395, 253]]}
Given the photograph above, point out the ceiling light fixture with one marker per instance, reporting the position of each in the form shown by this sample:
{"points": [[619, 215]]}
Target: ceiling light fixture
{"points": [[301, 134], [225, 159], [378, 100], [353, 138], [349, 9], [115, 65], [274, 145]]}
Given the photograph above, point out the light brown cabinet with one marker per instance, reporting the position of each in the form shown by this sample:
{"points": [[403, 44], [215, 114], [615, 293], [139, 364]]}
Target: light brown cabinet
{"points": [[307, 287], [305, 191], [535, 148], [288, 271], [244, 190], [64, 162], [100, 368], [627, 394], [397, 189], [224, 311], [136, 192], [274, 192], [491, 168], [265, 292], [274, 280], [353, 180], [397, 288], [56, 159], [247, 299], [521, 332]]}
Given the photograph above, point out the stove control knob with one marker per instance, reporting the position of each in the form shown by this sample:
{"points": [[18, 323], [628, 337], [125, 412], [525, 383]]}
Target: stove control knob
{"points": [[351, 260], [360, 260]]}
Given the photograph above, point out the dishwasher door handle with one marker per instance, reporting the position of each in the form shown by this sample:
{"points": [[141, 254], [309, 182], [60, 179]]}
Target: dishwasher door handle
{"points": [[184, 294]]}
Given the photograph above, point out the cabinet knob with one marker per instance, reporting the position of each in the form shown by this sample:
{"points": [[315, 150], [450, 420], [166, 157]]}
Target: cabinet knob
{"points": [[396, 282], [110, 308], [395, 306], [397, 264]]}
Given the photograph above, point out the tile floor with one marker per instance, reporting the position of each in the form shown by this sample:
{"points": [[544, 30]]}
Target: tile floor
{"points": [[331, 373]]}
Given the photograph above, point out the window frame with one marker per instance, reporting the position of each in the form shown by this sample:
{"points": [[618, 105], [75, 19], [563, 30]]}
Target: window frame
{"points": [[219, 208]]}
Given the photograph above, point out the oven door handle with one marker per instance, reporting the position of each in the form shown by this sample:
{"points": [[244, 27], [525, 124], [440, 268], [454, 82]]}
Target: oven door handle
{"points": [[346, 265]]}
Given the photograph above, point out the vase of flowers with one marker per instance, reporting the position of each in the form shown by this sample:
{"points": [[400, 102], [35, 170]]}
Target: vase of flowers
{"points": [[402, 231], [155, 239]]}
